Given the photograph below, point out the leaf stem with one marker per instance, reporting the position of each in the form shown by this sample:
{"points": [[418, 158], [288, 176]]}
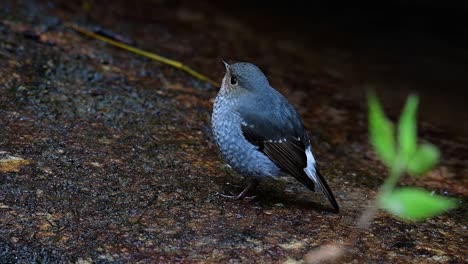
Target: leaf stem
{"points": [[396, 171]]}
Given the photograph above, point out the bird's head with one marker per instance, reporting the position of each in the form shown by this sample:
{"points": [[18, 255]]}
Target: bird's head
{"points": [[244, 77]]}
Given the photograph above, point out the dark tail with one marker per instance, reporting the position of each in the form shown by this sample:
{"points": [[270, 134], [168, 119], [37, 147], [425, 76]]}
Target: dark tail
{"points": [[323, 186]]}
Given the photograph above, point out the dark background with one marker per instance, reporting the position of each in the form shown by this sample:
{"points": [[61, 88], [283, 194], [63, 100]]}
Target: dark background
{"points": [[398, 46]]}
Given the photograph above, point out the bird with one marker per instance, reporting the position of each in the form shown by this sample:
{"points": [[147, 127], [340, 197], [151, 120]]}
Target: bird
{"points": [[260, 134]]}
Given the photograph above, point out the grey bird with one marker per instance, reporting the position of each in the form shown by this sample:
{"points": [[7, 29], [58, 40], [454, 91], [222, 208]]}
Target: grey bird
{"points": [[260, 134]]}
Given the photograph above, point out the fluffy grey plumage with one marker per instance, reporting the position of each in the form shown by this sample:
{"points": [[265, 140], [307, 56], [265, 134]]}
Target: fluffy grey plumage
{"points": [[259, 134]]}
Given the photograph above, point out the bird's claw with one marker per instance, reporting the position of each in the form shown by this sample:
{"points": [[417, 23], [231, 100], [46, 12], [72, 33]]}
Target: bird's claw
{"points": [[236, 197]]}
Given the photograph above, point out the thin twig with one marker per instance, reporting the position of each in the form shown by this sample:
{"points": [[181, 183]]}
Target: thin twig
{"points": [[173, 63]]}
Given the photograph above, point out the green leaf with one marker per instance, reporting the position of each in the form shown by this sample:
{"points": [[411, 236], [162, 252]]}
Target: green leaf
{"points": [[381, 132], [415, 204], [425, 157], [407, 129]]}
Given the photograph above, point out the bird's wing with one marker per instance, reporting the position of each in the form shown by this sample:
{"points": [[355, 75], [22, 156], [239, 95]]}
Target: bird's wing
{"points": [[285, 141], [287, 152]]}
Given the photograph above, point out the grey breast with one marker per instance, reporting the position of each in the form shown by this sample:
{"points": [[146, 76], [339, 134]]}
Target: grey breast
{"points": [[240, 154]]}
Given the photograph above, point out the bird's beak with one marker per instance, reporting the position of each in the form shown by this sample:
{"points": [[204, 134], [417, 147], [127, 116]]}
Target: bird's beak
{"points": [[226, 65]]}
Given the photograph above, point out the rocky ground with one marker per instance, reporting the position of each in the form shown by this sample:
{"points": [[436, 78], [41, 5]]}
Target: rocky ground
{"points": [[106, 156]]}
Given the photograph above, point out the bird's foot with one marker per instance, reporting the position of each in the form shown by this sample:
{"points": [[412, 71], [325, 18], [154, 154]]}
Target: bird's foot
{"points": [[237, 197], [243, 194]]}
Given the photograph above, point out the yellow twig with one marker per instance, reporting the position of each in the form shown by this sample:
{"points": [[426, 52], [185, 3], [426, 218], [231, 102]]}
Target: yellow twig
{"points": [[173, 63]]}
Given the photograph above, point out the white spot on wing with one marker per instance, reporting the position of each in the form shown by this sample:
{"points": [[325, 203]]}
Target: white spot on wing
{"points": [[310, 169]]}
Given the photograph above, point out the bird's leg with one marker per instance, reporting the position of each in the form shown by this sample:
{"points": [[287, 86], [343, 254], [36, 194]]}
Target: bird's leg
{"points": [[244, 192]]}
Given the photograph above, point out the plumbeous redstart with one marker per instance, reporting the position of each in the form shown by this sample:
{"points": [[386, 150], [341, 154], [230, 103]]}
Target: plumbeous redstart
{"points": [[259, 134]]}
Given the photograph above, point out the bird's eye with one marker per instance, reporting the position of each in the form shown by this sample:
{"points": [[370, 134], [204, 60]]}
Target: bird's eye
{"points": [[233, 81]]}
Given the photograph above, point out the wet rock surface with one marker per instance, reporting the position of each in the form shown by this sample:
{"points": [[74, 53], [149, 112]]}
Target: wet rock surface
{"points": [[107, 156]]}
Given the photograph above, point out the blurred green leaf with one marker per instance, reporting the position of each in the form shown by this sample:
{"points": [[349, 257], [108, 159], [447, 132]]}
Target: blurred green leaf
{"points": [[381, 132], [407, 132], [425, 157], [415, 204]]}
